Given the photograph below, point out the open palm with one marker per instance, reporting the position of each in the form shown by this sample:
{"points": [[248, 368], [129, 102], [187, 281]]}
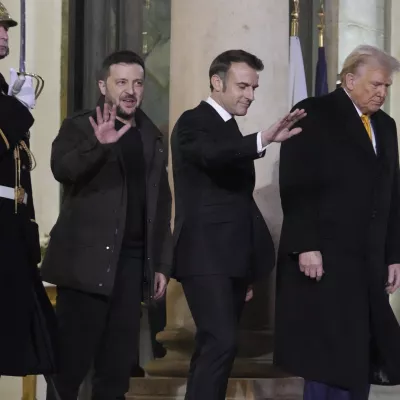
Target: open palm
{"points": [[104, 127], [282, 129]]}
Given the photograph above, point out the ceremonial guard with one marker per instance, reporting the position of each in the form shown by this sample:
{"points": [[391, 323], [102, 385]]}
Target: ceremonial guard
{"points": [[27, 319]]}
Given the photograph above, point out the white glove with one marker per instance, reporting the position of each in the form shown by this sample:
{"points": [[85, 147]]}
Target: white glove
{"points": [[26, 94]]}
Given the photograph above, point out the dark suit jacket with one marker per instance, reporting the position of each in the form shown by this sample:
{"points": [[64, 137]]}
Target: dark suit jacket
{"points": [[218, 227], [341, 199]]}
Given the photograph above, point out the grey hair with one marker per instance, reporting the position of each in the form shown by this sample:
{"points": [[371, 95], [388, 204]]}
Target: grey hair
{"points": [[365, 54]]}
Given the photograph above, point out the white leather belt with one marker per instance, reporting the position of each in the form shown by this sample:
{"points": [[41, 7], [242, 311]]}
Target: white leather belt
{"points": [[9, 193]]}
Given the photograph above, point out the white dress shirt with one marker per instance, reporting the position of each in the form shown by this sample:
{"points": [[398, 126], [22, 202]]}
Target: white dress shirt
{"points": [[372, 128], [226, 117]]}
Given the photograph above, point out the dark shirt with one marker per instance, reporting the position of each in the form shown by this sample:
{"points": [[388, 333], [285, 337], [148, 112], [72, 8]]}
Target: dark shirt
{"points": [[131, 147]]}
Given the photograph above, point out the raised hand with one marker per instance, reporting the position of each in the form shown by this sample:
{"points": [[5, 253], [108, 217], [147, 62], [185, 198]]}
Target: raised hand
{"points": [[21, 87], [104, 129], [281, 130]]}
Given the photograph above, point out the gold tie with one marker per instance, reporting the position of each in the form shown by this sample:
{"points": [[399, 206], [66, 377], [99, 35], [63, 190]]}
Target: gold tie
{"points": [[367, 124]]}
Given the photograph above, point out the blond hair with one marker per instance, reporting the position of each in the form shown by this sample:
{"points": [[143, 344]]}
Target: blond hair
{"points": [[366, 54]]}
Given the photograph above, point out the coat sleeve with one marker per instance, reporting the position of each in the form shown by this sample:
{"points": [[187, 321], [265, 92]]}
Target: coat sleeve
{"points": [[299, 188], [76, 153], [207, 150], [393, 232], [15, 122]]}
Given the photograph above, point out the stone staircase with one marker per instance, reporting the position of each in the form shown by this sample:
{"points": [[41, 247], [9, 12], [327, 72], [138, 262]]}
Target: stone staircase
{"points": [[238, 389]]}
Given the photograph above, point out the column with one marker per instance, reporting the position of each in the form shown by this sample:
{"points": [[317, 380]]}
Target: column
{"points": [[43, 52], [360, 22], [331, 40], [200, 31]]}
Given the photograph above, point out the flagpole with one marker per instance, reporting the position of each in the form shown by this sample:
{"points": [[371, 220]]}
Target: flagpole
{"points": [[294, 26], [321, 73], [321, 26], [297, 77]]}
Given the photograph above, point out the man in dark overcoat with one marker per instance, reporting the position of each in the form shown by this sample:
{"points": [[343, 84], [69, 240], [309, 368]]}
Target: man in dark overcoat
{"points": [[339, 255], [28, 323]]}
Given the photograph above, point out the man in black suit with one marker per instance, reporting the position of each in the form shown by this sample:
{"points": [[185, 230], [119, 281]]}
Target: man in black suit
{"points": [[221, 240], [340, 246]]}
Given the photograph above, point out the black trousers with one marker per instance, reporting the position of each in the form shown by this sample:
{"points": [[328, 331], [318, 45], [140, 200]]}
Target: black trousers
{"points": [[216, 303], [157, 322], [157, 318], [100, 330]]}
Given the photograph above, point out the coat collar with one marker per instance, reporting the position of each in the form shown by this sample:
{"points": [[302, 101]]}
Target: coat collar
{"points": [[354, 128], [150, 134], [211, 110], [219, 109]]}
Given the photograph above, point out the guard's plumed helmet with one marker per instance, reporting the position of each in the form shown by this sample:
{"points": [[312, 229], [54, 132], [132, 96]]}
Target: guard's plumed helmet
{"points": [[5, 17]]}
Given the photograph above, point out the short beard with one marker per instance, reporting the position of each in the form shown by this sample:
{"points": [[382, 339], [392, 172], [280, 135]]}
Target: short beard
{"points": [[124, 115], [120, 112]]}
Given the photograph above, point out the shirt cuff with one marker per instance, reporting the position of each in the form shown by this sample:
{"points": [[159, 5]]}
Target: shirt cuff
{"points": [[260, 148]]}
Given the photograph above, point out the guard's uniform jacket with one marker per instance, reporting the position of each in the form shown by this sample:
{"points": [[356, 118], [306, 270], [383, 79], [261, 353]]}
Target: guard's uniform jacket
{"points": [[28, 321]]}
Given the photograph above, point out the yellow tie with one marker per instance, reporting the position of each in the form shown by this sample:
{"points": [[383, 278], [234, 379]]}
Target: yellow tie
{"points": [[367, 124]]}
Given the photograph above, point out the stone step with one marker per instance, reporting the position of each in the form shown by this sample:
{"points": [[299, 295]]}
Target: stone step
{"points": [[238, 389]]}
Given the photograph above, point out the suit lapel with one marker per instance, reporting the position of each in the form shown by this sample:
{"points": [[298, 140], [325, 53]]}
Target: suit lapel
{"points": [[380, 138], [226, 131], [229, 128], [354, 129], [359, 135], [232, 128]]}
